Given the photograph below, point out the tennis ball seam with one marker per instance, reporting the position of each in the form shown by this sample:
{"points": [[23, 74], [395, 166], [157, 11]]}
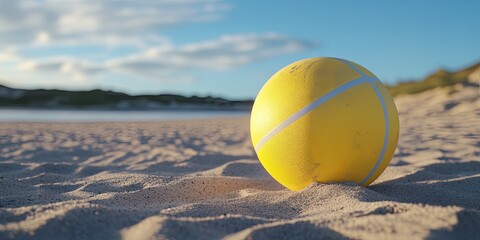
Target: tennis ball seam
{"points": [[385, 118], [385, 138]]}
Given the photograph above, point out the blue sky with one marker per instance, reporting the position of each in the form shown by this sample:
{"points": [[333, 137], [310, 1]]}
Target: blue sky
{"points": [[224, 48]]}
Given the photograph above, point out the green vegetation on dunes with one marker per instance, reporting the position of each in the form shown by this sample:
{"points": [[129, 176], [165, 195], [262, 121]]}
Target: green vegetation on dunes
{"points": [[441, 78], [108, 99]]}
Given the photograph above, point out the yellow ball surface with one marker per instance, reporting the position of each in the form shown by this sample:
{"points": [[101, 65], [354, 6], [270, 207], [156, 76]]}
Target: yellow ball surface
{"points": [[324, 120]]}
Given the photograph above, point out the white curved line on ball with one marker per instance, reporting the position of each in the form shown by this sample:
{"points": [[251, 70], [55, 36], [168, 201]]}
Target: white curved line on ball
{"points": [[385, 138], [351, 65], [313, 105], [385, 118]]}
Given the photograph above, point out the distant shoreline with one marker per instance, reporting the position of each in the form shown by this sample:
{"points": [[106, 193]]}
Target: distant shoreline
{"points": [[98, 115], [102, 109], [108, 100]]}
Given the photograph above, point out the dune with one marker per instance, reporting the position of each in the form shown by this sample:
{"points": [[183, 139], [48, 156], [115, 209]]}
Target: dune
{"points": [[201, 179]]}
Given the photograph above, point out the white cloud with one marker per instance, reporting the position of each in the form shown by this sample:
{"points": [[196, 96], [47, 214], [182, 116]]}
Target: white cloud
{"points": [[43, 21], [224, 53], [9, 54], [48, 24], [77, 69]]}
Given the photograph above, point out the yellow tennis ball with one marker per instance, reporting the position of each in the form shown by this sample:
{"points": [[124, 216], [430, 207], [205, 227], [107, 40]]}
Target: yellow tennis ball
{"points": [[324, 120]]}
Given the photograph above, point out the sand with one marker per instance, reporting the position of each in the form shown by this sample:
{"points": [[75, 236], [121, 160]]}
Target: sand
{"points": [[202, 180]]}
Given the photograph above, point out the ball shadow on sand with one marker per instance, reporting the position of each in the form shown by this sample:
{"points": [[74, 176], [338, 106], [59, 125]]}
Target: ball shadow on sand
{"points": [[442, 184], [466, 227]]}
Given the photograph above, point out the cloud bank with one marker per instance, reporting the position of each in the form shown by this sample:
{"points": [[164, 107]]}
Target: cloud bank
{"points": [[31, 26], [224, 53], [98, 22]]}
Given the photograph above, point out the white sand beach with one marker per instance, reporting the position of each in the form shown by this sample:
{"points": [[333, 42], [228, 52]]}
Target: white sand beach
{"points": [[202, 180]]}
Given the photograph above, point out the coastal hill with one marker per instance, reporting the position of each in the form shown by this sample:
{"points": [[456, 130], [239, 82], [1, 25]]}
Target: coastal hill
{"points": [[440, 78], [100, 99]]}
